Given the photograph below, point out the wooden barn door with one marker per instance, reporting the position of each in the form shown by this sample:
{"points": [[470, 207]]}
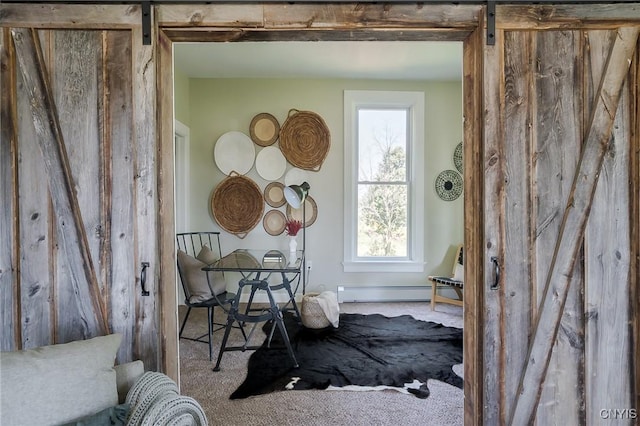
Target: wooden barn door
{"points": [[560, 196], [79, 183]]}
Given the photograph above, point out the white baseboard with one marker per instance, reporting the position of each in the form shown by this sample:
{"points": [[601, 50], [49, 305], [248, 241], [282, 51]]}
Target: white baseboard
{"points": [[387, 293], [383, 293]]}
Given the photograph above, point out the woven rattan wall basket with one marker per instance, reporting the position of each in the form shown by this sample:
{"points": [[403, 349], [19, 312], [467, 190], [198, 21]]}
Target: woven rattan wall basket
{"points": [[305, 139], [237, 204]]}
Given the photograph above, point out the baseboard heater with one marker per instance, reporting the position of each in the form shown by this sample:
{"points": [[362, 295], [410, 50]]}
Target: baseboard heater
{"points": [[405, 293]]}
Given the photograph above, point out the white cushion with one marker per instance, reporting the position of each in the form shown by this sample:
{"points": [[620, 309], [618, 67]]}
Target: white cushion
{"points": [[195, 279], [58, 383], [458, 273]]}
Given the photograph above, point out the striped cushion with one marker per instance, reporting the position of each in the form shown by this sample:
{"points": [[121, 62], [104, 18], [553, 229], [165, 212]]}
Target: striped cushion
{"points": [[447, 281]]}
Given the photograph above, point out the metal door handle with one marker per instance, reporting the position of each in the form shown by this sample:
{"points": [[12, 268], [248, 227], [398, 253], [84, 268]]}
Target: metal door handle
{"points": [[496, 283], [143, 278]]}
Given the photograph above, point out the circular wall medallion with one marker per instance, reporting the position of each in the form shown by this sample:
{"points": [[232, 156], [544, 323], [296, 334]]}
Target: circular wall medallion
{"points": [[270, 163], [274, 222], [274, 194], [457, 157], [234, 151], [264, 129], [449, 185], [305, 139], [310, 210], [237, 205]]}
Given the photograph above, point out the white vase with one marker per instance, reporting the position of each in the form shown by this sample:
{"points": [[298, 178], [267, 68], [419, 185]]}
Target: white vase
{"points": [[293, 246]]}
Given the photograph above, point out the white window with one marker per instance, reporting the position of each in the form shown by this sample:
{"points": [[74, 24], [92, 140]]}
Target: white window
{"points": [[384, 181]]}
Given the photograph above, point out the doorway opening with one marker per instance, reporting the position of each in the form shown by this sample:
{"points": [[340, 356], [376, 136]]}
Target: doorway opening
{"points": [[468, 132]]}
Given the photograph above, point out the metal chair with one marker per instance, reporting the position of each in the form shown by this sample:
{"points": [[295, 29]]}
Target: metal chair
{"points": [[196, 250]]}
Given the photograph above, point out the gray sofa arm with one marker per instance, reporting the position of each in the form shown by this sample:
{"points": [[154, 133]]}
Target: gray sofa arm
{"points": [[126, 376]]}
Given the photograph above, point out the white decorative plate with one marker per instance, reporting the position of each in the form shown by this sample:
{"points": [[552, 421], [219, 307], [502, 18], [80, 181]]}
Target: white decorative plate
{"points": [[234, 151], [296, 176], [270, 163]]}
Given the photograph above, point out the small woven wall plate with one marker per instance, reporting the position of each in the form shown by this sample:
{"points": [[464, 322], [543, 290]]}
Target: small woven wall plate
{"points": [[274, 222], [237, 204], [305, 139], [449, 185], [274, 194], [264, 129], [310, 209], [234, 151]]}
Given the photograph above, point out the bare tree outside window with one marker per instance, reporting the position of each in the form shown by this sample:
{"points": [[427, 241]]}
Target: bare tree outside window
{"points": [[382, 183]]}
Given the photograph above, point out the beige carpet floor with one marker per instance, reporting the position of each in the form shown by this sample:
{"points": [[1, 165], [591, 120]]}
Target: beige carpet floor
{"points": [[313, 407]]}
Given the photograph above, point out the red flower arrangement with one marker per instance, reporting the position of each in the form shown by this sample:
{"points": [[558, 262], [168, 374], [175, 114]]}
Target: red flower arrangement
{"points": [[292, 227]]}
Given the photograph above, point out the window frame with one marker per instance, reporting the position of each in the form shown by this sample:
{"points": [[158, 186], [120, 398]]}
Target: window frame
{"points": [[413, 102]]}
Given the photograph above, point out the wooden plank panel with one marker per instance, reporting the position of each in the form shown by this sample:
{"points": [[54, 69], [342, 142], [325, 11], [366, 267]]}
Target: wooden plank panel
{"points": [[240, 35], [146, 170], [473, 226], [493, 205], [36, 301], [607, 251], [70, 16], [167, 219], [118, 190], [573, 225], [518, 301], [49, 137], [307, 15], [203, 15], [566, 16], [634, 293], [74, 78], [10, 295], [557, 143], [380, 15]]}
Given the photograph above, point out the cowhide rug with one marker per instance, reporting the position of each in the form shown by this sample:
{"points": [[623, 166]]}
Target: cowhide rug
{"points": [[365, 350]]}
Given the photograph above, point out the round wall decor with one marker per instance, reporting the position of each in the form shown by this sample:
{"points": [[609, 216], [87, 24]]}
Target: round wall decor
{"points": [[457, 157], [274, 194], [274, 222], [264, 129], [270, 163], [449, 185], [305, 139], [237, 204], [310, 210], [234, 151]]}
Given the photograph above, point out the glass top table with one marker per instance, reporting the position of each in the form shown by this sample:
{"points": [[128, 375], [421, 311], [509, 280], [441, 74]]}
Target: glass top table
{"points": [[249, 260], [252, 264]]}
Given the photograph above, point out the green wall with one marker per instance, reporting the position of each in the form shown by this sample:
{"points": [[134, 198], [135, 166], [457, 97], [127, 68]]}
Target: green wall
{"points": [[181, 97], [216, 106]]}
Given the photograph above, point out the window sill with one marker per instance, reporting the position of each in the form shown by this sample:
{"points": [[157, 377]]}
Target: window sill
{"points": [[383, 266]]}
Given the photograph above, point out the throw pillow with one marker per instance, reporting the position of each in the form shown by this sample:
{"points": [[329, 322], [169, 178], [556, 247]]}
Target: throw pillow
{"points": [[60, 382], [195, 279], [218, 282], [207, 255]]}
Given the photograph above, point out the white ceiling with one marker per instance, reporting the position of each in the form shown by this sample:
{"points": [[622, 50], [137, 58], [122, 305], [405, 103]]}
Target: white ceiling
{"points": [[393, 60]]}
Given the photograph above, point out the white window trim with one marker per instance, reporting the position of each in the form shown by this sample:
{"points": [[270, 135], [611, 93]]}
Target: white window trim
{"points": [[414, 101]]}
